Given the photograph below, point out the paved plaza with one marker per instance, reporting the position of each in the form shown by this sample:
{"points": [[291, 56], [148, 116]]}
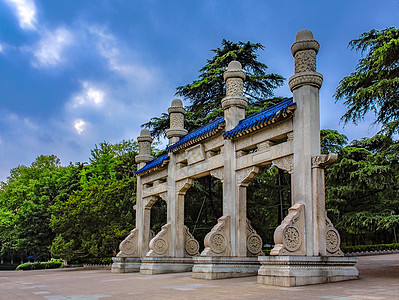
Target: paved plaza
{"points": [[379, 279]]}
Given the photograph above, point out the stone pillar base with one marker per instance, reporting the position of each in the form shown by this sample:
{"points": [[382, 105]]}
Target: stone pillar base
{"points": [[219, 267], [304, 270], [161, 265], [126, 264]]}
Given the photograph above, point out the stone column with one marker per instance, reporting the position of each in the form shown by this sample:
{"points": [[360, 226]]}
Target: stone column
{"points": [[234, 105], [142, 158], [175, 201], [176, 119], [327, 237], [305, 85]]}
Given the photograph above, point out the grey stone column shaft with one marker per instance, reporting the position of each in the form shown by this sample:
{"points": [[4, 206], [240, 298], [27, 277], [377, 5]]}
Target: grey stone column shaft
{"points": [[305, 85], [142, 216], [234, 200]]}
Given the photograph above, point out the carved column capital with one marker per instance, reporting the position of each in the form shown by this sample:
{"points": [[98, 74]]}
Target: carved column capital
{"points": [[322, 160], [149, 201], [285, 163], [218, 173], [183, 185], [245, 176]]}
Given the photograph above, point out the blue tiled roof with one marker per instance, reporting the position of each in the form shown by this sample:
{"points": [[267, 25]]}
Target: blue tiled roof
{"points": [[158, 162], [262, 118], [198, 135]]}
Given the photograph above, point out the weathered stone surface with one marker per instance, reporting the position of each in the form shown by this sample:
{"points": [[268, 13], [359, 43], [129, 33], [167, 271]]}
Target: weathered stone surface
{"points": [[224, 267], [125, 264], [304, 270], [161, 265]]}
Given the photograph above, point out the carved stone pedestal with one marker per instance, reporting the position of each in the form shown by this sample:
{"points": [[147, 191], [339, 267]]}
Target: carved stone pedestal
{"points": [[161, 265], [304, 270], [126, 264], [219, 267]]}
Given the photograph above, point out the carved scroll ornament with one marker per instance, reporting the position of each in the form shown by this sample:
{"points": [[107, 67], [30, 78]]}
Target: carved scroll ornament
{"points": [[333, 240], [217, 241], [254, 241], [289, 236], [128, 247], [160, 244], [191, 245]]}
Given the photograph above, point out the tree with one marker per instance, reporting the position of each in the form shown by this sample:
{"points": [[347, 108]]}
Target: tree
{"points": [[93, 221], [374, 86], [362, 191], [26, 203], [205, 93]]}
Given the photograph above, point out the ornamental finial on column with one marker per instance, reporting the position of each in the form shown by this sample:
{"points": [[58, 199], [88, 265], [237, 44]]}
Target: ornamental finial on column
{"points": [[234, 77], [176, 117], [304, 51], [145, 141]]}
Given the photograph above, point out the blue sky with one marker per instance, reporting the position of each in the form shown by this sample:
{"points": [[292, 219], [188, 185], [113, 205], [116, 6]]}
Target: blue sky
{"points": [[74, 73]]}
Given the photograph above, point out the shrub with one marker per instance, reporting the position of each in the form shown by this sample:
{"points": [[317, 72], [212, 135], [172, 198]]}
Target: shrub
{"points": [[51, 264], [367, 248]]}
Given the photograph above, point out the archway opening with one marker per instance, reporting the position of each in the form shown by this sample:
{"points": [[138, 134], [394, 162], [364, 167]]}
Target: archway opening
{"points": [[158, 215], [268, 200], [203, 205]]}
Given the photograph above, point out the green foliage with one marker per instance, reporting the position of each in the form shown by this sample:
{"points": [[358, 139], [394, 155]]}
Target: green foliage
{"points": [[81, 210], [368, 248], [203, 206], [26, 200], [362, 191], [331, 141], [268, 200], [51, 264], [205, 93], [374, 86]]}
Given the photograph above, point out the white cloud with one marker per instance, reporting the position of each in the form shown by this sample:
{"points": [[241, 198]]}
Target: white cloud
{"points": [[120, 61], [49, 51], [26, 13], [1, 48], [90, 95], [79, 125]]}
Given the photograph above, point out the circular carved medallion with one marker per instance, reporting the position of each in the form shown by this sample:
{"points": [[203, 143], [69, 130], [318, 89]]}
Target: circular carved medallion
{"points": [[254, 244], [291, 238], [218, 243], [128, 247], [192, 247], [332, 241], [160, 246]]}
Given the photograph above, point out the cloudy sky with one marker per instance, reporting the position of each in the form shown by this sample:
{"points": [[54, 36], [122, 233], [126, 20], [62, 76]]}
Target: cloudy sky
{"points": [[74, 73]]}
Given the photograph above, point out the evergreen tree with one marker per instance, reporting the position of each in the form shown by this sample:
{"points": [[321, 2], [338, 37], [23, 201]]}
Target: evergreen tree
{"points": [[374, 86], [205, 93]]}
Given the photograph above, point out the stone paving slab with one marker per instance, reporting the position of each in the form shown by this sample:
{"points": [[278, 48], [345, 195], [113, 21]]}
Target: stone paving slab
{"points": [[379, 280]]}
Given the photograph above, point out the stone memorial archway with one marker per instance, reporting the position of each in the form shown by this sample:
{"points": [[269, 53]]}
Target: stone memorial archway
{"points": [[233, 148]]}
